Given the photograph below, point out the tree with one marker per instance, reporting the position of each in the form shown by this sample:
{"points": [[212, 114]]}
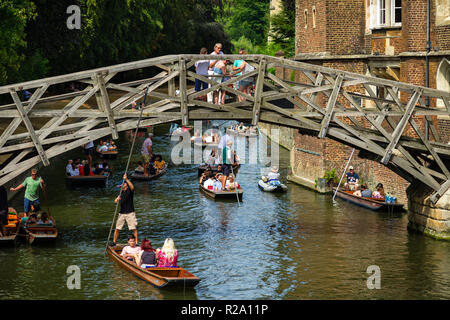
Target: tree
{"points": [[282, 30], [249, 18], [14, 16]]}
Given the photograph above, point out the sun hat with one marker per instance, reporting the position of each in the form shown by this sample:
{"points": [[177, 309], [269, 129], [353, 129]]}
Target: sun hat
{"points": [[274, 169]]}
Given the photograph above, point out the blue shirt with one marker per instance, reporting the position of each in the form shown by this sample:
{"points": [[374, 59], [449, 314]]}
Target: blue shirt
{"points": [[217, 184], [352, 178]]}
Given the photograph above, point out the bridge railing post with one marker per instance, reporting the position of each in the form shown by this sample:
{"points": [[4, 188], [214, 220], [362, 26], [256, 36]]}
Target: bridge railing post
{"points": [[258, 91], [183, 93]]}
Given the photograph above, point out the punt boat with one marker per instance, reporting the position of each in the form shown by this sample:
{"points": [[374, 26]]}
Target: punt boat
{"points": [[157, 276], [41, 232], [11, 229], [96, 180], [369, 203], [108, 154], [141, 177], [222, 194]]}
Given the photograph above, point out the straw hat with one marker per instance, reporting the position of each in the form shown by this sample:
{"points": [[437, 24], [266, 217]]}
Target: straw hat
{"points": [[274, 169], [150, 134], [229, 143], [350, 168]]}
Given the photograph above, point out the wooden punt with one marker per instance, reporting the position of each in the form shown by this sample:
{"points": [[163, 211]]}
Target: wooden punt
{"points": [[222, 194], [369, 203], [41, 233], [108, 154], [157, 276], [203, 168], [11, 229], [141, 177], [96, 180]]}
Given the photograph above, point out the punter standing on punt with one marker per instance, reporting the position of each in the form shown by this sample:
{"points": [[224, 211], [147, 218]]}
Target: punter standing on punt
{"points": [[32, 190], [126, 212]]}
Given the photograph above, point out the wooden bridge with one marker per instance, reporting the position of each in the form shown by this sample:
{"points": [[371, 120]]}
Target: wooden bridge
{"points": [[343, 106]]}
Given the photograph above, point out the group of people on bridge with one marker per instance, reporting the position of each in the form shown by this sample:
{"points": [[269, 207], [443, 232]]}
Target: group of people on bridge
{"points": [[220, 71]]}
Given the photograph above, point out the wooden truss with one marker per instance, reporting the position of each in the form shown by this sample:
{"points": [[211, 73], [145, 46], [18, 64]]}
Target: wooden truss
{"points": [[344, 106]]}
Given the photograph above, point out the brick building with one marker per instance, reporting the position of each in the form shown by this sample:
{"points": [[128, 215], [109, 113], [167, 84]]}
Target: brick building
{"points": [[401, 40]]}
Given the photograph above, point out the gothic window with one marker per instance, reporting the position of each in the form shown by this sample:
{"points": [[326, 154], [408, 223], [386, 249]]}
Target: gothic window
{"points": [[306, 18], [314, 16]]}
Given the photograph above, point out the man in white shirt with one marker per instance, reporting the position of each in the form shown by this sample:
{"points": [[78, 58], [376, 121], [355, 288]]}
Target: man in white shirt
{"points": [[212, 63]]}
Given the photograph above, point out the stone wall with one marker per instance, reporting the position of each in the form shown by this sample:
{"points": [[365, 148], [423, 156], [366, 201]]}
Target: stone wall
{"points": [[425, 217]]}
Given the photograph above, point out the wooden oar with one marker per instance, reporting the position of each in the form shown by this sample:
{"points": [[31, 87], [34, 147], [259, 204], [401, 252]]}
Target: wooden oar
{"points": [[46, 201], [235, 188], [345, 170]]}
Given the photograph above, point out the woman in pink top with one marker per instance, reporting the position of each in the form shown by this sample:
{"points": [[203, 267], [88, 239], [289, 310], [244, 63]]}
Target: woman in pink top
{"points": [[168, 255]]}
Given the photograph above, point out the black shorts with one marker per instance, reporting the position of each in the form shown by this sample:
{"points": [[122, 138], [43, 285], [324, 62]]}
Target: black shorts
{"points": [[3, 217], [226, 169], [89, 151]]}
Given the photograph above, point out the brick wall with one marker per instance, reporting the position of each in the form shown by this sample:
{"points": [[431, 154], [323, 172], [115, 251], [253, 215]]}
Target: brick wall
{"points": [[311, 39], [345, 26]]}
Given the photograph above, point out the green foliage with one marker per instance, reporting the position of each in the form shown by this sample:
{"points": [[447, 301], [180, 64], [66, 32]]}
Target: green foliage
{"points": [[35, 41], [331, 177], [14, 15], [249, 18], [282, 27]]}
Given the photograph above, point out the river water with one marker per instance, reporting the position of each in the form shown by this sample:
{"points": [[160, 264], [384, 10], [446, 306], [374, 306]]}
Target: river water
{"points": [[297, 245]]}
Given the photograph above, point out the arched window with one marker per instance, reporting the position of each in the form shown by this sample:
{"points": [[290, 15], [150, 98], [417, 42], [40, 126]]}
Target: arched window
{"points": [[314, 16], [306, 18], [443, 79]]}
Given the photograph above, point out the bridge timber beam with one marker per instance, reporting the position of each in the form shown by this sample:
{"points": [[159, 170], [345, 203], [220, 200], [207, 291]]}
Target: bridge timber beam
{"points": [[330, 103]]}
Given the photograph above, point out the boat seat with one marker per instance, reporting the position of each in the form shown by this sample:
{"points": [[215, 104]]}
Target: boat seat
{"points": [[11, 225]]}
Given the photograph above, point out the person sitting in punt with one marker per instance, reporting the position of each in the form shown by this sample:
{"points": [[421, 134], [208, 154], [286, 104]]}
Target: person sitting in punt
{"points": [[44, 219], [219, 168], [209, 182], [103, 147], [379, 193], [112, 146], [231, 184], [159, 163], [105, 166], [217, 186], [32, 219], [167, 256], [128, 252], [241, 127], [72, 170], [352, 180], [146, 257], [208, 138], [205, 176], [87, 169], [98, 170], [140, 168], [365, 192], [69, 167]]}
